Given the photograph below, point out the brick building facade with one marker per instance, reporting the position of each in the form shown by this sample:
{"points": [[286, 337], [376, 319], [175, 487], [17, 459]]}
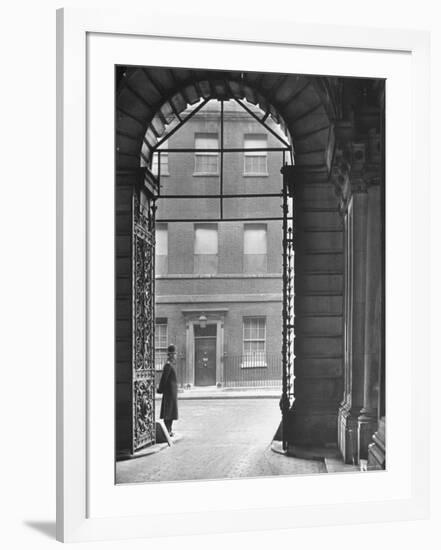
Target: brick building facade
{"points": [[218, 284]]}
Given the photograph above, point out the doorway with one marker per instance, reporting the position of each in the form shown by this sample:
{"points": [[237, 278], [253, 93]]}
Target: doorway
{"points": [[205, 355]]}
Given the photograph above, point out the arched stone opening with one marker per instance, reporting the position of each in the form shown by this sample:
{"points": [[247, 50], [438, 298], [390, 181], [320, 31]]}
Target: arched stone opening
{"points": [[150, 98], [329, 162]]}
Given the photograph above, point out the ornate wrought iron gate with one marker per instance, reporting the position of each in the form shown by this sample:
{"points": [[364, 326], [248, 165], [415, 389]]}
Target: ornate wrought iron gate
{"points": [[288, 243], [143, 320]]}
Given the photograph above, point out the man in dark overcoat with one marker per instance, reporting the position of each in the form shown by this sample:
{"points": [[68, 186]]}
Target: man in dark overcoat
{"points": [[168, 386]]}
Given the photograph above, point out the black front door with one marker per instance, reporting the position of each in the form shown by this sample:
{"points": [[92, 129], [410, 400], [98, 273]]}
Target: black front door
{"points": [[205, 356]]}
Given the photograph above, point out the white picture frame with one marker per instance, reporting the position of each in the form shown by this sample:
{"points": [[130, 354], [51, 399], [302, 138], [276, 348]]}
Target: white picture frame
{"points": [[84, 496]]}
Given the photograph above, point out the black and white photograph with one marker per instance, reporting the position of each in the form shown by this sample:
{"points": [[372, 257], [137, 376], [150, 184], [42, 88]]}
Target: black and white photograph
{"points": [[249, 274], [220, 274]]}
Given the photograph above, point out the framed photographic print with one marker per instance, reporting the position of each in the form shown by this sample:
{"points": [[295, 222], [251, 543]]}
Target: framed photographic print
{"points": [[241, 275]]}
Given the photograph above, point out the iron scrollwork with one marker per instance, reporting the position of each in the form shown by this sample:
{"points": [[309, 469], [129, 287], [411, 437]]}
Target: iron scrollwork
{"points": [[144, 412], [288, 304], [144, 428]]}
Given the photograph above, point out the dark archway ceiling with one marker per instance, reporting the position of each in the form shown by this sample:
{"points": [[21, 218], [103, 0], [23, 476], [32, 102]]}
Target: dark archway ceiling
{"points": [[149, 98]]}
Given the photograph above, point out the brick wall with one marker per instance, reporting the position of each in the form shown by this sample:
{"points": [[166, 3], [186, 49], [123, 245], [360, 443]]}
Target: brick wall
{"points": [[240, 293]]}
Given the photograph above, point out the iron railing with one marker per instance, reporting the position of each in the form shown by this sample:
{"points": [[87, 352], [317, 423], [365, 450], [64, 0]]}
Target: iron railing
{"points": [[254, 370], [257, 370]]}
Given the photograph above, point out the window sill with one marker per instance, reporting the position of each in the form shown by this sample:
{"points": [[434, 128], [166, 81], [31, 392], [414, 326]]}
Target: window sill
{"points": [[253, 366], [205, 174], [255, 175]]}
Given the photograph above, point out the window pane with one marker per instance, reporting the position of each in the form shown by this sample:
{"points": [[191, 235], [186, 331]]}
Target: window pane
{"points": [[206, 141], [161, 250], [161, 335], [252, 348], [209, 330], [205, 249], [161, 240], [256, 348], [160, 359], [164, 164], [207, 163], [164, 160], [254, 337], [161, 343], [255, 141], [161, 265], [255, 164], [247, 347], [205, 239], [254, 239]]}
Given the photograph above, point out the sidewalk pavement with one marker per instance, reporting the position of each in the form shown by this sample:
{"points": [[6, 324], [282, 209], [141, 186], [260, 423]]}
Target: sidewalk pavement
{"points": [[218, 439], [213, 392]]}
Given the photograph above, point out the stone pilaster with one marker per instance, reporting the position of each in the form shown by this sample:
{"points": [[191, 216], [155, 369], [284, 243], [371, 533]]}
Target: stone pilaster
{"points": [[312, 419], [355, 311], [347, 309], [368, 419]]}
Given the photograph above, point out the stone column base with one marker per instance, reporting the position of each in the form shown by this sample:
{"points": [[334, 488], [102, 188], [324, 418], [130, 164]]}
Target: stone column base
{"points": [[312, 427], [367, 424], [377, 449], [348, 435]]}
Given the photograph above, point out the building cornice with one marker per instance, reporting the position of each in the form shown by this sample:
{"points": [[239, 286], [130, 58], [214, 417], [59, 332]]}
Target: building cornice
{"points": [[191, 276], [216, 298]]}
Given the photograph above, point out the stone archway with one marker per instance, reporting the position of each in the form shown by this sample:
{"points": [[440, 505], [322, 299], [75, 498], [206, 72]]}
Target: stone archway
{"points": [[307, 108], [150, 98]]}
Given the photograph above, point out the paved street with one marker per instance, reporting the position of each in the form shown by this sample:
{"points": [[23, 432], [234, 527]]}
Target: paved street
{"points": [[221, 438]]}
